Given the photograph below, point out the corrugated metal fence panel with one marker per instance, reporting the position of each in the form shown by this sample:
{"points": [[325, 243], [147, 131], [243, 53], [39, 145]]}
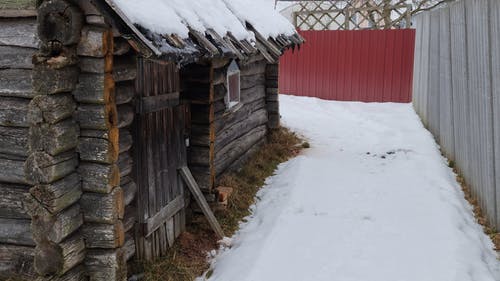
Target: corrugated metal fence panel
{"points": [[433, 87], [461, 102], [480, 77], [495, 71], [445, 109], [460, 85], [361, 65]]}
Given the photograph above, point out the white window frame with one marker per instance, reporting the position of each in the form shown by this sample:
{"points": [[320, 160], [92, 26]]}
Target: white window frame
{"points": [[232, 70]]}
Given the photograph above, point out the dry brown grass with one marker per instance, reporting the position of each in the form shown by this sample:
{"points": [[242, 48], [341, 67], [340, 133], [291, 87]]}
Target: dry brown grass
{"points": [[188, 258], [478, 212]]}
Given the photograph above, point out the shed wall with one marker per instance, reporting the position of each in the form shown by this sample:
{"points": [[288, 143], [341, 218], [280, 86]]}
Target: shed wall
{"points": [[221, 138], [18, 43]]}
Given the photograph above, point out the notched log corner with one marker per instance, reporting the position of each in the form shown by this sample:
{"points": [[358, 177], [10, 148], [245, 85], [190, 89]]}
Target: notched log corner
{"points": [[59, 21]]}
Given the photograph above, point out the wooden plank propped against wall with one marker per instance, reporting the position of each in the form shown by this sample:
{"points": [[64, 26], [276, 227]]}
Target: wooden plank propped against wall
{"points": [[200, 199]]}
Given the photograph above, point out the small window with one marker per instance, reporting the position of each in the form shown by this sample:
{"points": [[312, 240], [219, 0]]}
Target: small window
{"points": [[233, 85]]}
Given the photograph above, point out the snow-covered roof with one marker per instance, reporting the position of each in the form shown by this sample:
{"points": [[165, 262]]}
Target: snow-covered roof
{"points": [[208, 27]]}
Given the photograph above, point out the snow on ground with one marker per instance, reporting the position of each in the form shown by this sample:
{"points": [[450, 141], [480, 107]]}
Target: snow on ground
{"points": [[372, 200]]}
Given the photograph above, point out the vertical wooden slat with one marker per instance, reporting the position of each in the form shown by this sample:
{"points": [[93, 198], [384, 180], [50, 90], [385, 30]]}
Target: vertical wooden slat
{"points": [[159, 154]]}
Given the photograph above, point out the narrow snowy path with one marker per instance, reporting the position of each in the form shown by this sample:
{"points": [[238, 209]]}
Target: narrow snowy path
{"points": [[372, 200]]}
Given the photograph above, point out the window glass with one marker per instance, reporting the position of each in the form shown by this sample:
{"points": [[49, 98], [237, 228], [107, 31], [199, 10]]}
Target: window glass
{"points": [[233, 85]]}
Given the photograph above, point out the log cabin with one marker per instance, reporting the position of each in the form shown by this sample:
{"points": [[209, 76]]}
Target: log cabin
{"points": [[102, 102]]}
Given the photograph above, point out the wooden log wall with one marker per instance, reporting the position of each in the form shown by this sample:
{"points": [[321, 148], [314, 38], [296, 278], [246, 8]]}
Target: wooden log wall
{"points": [[239, 131], [221, 138], [18, 43], [104, 112], [52, 139]]}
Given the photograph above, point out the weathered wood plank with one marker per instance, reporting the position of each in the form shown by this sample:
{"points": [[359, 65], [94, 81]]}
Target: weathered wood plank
{"points": [[44, 168], [129, 191], [273, 106], [97, 117], [18, 13], [229, 134], [156, 103], [51, 108], [18, 8], [16, 83], [16, 57], [104, 236], [13, 201], [95, 65], [166, 213], [200, 135], [202, 176], [47, 80], [125, 163], [103, 208], [228, 120], [14, 112], [237, 148], [125, 115], [258, 67], [200, 199], [99, 178], [121, 46], [58, 196], [12, 171], [125, 92], [58, 259], [238, 164], [125, 68], [50, 229], [105, 265], [95, 89], [95, 42], [274, 120], [75, 274], [16, 262], [98, 150], [14, 141], [199, 155], [16, 232], [250, 81], [126, 140], [130, 218], [19, 32], [129, 246], [53, 139]]}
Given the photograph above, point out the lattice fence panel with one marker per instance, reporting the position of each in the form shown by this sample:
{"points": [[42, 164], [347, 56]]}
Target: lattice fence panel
{"points": [[352, 15]]}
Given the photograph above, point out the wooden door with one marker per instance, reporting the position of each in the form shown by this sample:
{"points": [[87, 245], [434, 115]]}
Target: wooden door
{"points": [[160, 150]]}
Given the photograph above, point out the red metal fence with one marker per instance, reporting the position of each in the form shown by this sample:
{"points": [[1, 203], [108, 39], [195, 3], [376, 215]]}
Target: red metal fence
{"points": [[353, 65]]}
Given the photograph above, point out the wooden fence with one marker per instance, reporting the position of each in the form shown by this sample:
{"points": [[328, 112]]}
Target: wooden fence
{"points": [[457, 91]]}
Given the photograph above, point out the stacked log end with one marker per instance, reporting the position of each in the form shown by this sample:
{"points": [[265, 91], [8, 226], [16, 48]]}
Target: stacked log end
{"points": [[50, 135], [272, 95], [198, 88], [104, 113]]}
